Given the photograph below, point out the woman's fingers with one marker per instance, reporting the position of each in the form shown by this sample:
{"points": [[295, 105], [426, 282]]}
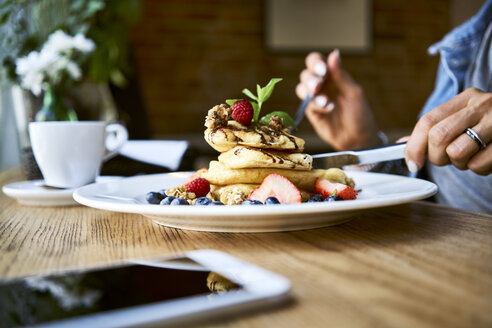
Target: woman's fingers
{"points": [[340, 77], [443, 133], [403, 139], [461, 150], [315, 63], [440, 134], [320, 103], [417, 145], [481, 162], [323, 104], [311, 81], [301, 91]]}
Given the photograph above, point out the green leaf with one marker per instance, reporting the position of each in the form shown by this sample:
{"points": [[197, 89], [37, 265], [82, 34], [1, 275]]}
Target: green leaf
{"points": [[250, 94], [4, 18], [286, 118], [256, 109], [118, 78], [231, 102], [266, 92], [77, 5], [334, 193], [263, 94], [72, 115], [93, 7]]}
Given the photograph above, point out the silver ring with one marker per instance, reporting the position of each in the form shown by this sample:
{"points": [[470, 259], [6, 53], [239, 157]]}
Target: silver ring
{"points": [[472, 134]]}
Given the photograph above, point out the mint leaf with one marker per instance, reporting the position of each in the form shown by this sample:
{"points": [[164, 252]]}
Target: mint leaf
{"points": [[266, 92], [263, 94], [286, 118], [250, 94], [256, 111], [231, 102]]}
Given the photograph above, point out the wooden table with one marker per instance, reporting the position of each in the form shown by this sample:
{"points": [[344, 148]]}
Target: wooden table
{"points": [[413, 265]]}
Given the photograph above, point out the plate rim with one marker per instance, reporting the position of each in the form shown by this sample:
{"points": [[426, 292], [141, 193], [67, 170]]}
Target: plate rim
{"points": [[253, 211]]}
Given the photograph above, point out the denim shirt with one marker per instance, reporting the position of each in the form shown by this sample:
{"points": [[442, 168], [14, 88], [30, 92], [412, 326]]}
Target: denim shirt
{"points": [[457, 50]]}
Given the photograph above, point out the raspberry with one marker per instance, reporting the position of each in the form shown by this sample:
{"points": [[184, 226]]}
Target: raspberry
{"points": [[242, 112], [199, 186]]}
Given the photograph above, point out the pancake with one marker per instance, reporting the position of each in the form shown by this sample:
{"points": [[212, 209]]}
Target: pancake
{"points": [[219, 174], [247, 157], [226, 137]]}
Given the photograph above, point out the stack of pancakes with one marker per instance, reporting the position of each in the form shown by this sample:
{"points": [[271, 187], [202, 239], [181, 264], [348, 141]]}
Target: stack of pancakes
{"points": [[250, 153]]}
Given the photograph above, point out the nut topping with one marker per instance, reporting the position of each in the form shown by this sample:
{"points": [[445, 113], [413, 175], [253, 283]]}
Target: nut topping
{"points": [[180, 192], [276, 123], [218, 116]]}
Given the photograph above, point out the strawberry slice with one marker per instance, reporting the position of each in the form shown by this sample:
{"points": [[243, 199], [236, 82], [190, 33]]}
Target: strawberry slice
{"points": [[275, 185], [326, 188]]}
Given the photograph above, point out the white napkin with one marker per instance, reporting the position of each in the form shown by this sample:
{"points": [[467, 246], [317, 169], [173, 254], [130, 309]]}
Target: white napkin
{"points": [[167, 153]]}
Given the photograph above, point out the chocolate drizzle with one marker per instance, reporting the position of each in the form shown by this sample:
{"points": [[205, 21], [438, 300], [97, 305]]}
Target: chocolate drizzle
{"points": [[275, 157]]}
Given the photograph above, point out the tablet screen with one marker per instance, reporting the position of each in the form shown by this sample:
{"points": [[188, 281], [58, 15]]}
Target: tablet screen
{"points": [[40, 299]]}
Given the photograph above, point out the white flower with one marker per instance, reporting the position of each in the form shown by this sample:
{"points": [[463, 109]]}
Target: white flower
{"points": [[54, 69], [30, 69], [58, 41], [47, 58], [48, 65], [64, 64], [83, 44], [33, 81], [74, 70]]}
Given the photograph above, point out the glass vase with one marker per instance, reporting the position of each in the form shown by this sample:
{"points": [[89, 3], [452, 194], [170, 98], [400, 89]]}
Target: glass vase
{"points": [[54, 108]]}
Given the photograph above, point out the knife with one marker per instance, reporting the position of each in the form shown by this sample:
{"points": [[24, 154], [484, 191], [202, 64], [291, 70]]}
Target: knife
{"points": [[364, 156]]}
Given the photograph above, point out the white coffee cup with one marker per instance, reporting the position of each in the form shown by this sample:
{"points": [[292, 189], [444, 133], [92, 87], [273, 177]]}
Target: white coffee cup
{"points": [[70, 154]]}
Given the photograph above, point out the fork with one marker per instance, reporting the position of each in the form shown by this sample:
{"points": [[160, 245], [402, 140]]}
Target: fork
{"points": [[301, 110]]}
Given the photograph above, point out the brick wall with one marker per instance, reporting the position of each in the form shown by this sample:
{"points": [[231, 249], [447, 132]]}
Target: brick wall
{"points": [[193, 54]]}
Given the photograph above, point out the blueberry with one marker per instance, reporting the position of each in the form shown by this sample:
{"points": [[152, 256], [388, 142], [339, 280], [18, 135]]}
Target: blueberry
{"points": [[167, 200], [179, 201], [315, 198], [163, 192], [203, 201], [271, 201], [252, 202], [216, 203], [333, 198], [153, 197]]}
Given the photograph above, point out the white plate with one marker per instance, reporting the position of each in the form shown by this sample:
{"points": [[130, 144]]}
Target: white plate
{"points": [[36, 193], [128, 195]]}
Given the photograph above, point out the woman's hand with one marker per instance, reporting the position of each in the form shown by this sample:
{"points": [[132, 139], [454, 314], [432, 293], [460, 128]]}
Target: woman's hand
{"points": [[339, 111], [440, 135]]}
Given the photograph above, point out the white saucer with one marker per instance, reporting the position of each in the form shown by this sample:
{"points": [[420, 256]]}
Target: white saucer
{"points": [[36, 193]]}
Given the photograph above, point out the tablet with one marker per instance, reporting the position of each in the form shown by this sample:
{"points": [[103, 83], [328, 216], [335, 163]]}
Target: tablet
{"points": [[165, 291]]}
